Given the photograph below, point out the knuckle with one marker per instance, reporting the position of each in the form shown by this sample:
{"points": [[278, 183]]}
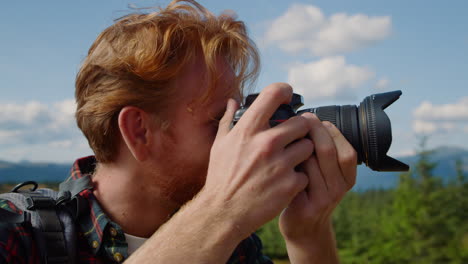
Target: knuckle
{"points": [[268, 146], [303, 123], [281, 90], [300, 123], [349, 157], [288, 186], [279, 169], [296, 183], [327, 150], [311, 117], [272, 141]]}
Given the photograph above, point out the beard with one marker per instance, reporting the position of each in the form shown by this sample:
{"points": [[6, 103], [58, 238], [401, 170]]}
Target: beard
{"points": [[182, 163], [180, 174], [183, 183]]}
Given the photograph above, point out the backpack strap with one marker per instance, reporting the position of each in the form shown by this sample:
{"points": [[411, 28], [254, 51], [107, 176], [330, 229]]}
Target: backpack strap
{"points": [[52, 216], [51, 229], [68, 195], [76, 186]]}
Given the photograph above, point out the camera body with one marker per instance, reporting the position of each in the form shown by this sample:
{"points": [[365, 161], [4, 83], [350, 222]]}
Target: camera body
{"points": [[366, 127]]}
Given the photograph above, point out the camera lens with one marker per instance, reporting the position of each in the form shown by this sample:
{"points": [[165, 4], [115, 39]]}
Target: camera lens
{"points": [[346, 119], [367, 128]]}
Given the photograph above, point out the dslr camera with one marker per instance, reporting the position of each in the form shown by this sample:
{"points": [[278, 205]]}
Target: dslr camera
{"points": [[367, 127]]}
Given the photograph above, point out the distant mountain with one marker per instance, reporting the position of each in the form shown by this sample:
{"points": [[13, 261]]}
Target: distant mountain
{"points": [[444, 157], [31, 171]]}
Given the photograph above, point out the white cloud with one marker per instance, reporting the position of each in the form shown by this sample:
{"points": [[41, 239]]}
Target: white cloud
{"points": [[429, 127], [20, 115], [34, 122], [40, 132], [47, 152], [430, 118], [446, 112], [306, 28], [8, 136], [424, 127], [329, 77], [65, 114], [405, 153], [382, 84], [61, 143]]}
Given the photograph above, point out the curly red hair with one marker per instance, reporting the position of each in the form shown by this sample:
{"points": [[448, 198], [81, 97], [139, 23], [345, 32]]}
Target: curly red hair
{"points": [[134, 61]]}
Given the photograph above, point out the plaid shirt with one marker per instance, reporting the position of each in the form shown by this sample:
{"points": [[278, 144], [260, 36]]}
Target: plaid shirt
{"points": [[99, 239]]}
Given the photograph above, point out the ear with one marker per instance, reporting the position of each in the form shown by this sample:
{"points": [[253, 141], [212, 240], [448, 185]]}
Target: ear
{"points": [[135, 127]]}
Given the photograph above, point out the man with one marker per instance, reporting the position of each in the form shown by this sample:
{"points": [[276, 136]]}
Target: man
{"points": [[155, 99]]}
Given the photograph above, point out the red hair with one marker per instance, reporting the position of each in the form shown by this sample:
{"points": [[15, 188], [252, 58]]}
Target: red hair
{"points": [[134, 61]]}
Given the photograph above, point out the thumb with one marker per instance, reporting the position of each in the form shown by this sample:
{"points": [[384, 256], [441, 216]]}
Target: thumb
{"points": [[225, 122]]}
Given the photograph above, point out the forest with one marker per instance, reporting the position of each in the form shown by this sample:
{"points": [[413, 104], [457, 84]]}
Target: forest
{"points": [[421, 220]]}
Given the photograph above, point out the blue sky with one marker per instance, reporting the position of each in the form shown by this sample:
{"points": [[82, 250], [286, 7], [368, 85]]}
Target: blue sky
{"points": [[332, 52]]}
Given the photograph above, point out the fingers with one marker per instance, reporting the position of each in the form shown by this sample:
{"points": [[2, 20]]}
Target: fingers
{"points": [[292, 129], [323, 198], [317, 187], [347, 156], [300, 182], [326, 153], [225, 122], [298, 151], [257, 116]]}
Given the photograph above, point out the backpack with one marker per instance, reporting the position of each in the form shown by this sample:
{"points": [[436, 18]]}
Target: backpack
{"points": [[52, 216]]}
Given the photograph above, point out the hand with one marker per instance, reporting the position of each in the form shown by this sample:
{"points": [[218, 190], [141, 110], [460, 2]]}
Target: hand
{"points": [[251, 176], [332, 172]]}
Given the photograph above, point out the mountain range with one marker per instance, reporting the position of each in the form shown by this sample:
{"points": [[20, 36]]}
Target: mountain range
{"points": [[12, 172], [444, 157]]}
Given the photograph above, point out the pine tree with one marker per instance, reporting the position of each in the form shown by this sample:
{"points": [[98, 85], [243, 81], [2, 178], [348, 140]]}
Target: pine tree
{"points": [[460, 172], [457, 201], [416, 232]]}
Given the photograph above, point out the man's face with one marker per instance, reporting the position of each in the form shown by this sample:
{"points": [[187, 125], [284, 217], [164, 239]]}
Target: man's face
{"points": [[192, 130]]}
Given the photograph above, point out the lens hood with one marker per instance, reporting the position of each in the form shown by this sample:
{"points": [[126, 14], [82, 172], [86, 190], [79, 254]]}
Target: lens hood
{"points": [[376, 132]]}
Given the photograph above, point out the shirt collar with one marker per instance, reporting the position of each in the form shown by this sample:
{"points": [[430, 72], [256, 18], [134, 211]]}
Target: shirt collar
{"points": [[99, 231]]}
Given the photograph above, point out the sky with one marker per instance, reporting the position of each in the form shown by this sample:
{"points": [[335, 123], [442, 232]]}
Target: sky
{"points": [[331, 52]]}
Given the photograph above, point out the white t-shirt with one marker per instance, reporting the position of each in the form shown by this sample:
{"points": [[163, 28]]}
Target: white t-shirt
{"points": [[134, 242]]}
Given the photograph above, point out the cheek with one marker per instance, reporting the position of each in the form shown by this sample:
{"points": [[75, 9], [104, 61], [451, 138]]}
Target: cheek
{"points": [[201, 149], [193, 141], [204, 137], [194, 149]]}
